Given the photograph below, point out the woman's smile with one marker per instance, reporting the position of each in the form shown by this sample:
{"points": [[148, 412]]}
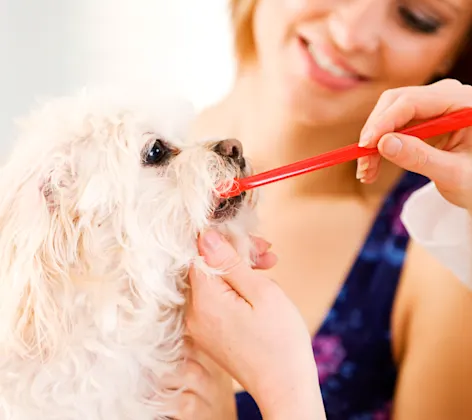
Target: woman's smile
{"points": [[326, 69]]}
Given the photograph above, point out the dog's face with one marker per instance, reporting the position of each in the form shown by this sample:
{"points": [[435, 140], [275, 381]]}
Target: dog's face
{"points": [[105, 200], [127, 157], [184, 179]]}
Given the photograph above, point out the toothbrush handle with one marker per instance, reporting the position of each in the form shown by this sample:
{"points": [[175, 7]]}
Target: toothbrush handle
{"points": [[442, 125]]}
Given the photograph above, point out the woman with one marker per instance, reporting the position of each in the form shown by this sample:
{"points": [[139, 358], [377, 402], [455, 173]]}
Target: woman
{"points": [[309, 74], [244, 302]]}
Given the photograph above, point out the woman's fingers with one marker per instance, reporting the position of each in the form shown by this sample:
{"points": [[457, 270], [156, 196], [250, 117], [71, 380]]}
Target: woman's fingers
{"points": [[265, 261], [399, 107], [261, 245], [219, 254], [417, 156], [368, 168]]}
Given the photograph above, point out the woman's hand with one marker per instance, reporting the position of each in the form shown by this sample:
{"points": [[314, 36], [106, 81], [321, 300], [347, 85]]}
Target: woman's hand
{"points": [[207, 389], [448, 164], [264, 259], [248, 326]]}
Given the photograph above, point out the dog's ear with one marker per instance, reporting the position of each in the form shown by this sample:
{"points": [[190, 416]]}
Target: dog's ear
{"points": [[38, 245]]}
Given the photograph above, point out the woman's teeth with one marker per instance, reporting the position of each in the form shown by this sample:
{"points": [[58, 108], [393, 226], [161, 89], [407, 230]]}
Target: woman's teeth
{"points": [[326, 63]]}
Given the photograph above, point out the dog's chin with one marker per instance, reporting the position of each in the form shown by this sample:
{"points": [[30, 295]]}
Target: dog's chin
{"points": [[228, 208]]}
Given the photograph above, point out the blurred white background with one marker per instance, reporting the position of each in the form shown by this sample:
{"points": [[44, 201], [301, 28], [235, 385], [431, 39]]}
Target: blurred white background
{"points": [[53, 47]]}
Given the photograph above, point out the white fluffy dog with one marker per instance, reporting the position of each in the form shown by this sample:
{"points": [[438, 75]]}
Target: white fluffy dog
{"points": [[101, 203]]}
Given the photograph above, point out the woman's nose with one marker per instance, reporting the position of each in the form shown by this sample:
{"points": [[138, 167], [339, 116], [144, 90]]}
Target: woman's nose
{"points": [[356, 25]]}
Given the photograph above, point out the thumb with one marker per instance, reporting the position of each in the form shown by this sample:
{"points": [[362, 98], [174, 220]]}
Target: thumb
{"points": [[415, 155], [219, 254]]}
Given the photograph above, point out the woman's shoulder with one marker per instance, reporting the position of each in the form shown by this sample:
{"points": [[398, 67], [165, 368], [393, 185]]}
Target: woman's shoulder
{"points": [[430, 297], [427, 288], [428, 280], [433, 338]]}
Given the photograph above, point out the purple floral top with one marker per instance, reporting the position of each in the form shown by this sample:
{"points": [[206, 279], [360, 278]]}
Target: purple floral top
{"points": [[353, 347]]}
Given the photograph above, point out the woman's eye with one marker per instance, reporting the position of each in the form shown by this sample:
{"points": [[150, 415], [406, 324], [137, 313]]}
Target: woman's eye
{"points": [[419, 22], [157, 154]]}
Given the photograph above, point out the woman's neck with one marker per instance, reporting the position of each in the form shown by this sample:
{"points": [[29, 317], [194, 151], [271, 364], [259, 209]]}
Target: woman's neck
{"points": [[271, 140], [271, 134]]}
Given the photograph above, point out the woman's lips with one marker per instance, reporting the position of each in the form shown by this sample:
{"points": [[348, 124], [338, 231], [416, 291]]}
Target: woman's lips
{"points": [[327, 70]]}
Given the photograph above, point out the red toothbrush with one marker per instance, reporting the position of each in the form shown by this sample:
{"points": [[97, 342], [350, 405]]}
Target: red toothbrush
{"points": [[442, 125]]}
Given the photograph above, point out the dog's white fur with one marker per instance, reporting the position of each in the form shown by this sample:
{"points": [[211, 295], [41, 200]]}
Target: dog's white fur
{"points": [[94, 252]]}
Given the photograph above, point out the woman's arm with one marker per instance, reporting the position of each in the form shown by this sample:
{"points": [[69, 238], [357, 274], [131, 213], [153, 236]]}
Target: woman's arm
{"points": [[435, 216], [231, 318], [433, 337]]}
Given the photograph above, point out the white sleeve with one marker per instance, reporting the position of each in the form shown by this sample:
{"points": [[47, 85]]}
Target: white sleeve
{"points": [[442, 228]]}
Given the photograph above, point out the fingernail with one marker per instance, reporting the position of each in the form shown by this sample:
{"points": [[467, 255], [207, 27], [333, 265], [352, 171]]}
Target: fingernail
{"points": [[361, 174], [211, 240], [362, 170], [365, 138], [392, 146]]}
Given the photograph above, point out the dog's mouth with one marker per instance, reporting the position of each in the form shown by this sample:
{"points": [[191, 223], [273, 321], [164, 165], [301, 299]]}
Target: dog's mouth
{"points": [[227, 208]]}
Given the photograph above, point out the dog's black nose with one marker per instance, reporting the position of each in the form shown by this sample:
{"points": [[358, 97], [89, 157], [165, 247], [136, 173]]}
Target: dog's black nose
{"points": [[231, 148]]}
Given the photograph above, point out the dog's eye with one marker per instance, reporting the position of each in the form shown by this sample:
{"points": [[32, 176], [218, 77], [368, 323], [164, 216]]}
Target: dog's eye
{"points": [[157, 154]]}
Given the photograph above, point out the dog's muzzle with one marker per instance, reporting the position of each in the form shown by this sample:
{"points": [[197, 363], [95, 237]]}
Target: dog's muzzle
{"points": [[227, 208], [231, 150]]}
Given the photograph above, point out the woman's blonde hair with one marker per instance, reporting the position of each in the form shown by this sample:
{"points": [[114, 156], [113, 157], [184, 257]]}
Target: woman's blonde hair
{"points": [[241, 14]]}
